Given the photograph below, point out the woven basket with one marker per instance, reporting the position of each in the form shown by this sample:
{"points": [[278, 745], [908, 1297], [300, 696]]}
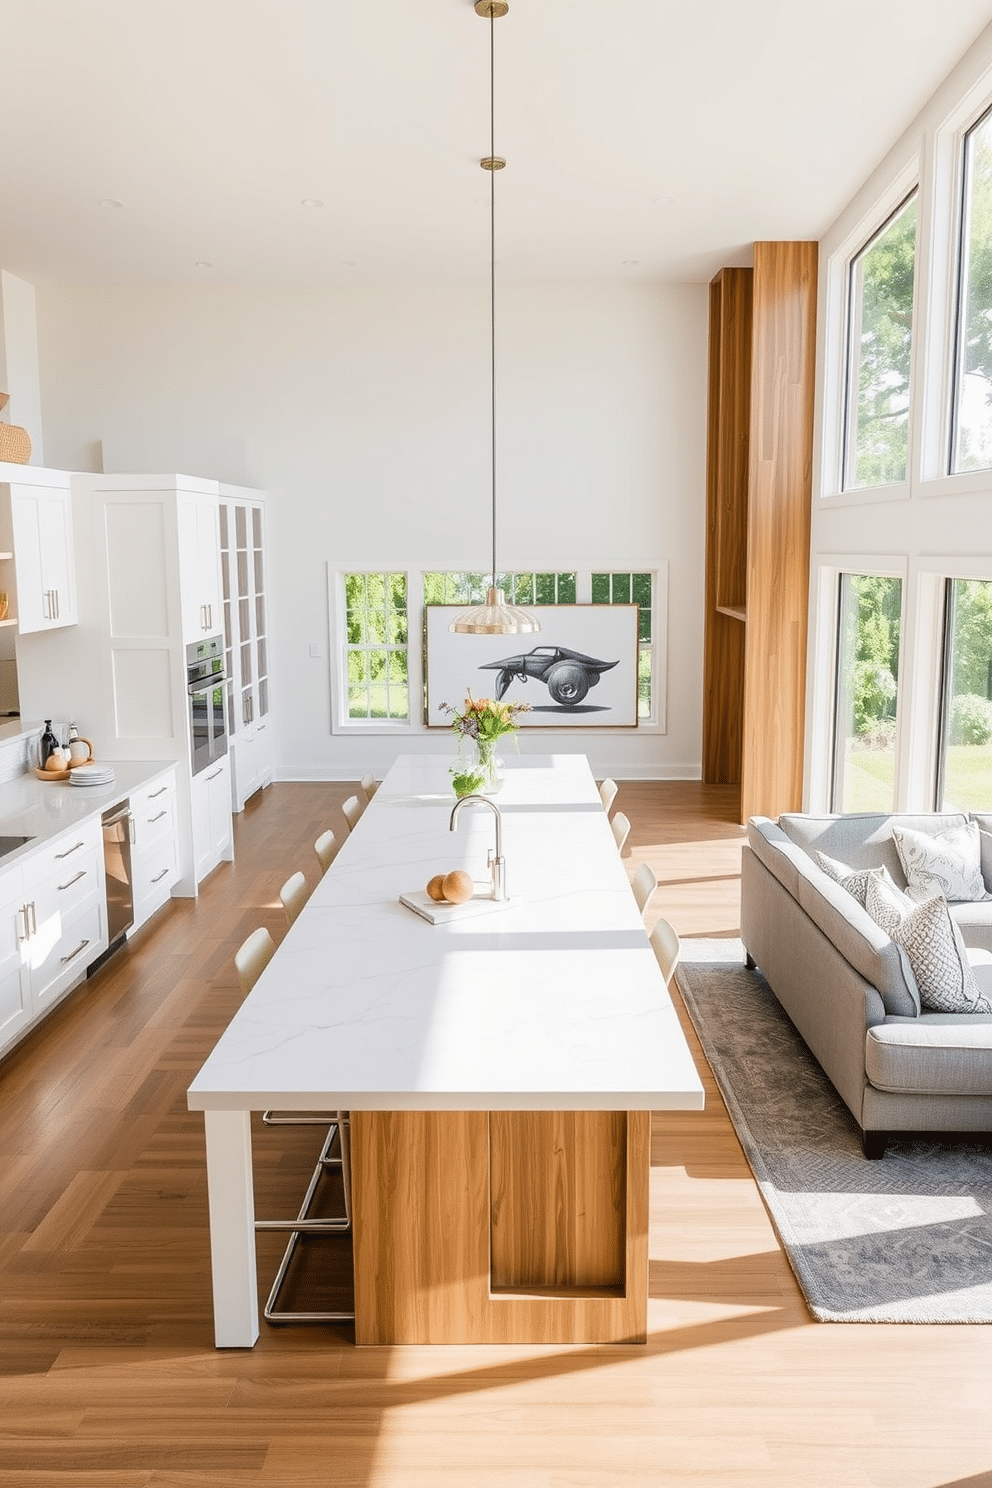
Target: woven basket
{"points": [[15, 444]]}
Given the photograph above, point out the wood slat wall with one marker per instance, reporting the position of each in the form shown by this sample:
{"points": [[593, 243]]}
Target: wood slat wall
{"points": [[759, 480], [781, 475], [728, 429]]}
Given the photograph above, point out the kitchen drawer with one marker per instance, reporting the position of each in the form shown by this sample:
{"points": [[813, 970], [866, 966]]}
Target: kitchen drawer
{"points": [[153, 812], [49, 864], [75, 881], [153, 875], [83, 938]]}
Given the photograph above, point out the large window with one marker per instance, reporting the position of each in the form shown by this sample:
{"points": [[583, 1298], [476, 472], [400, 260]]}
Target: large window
{"points": [[880, 334], [966, 716], [377, 610], [867, 691], [973, 374], [632, 588], [376, 646]]}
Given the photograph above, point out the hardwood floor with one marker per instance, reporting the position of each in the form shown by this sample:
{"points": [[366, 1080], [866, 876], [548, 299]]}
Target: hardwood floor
{"points": [[108, 1376]]}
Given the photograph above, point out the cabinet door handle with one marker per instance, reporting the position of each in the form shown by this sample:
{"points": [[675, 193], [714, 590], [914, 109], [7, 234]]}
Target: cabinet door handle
{"points": [[214, 775], [34, 919], [75, 848], [55, 592], [157, 818], [46, 604], [27, 931], [160, 875], [160, 792], [73, 954], [75, 879]]}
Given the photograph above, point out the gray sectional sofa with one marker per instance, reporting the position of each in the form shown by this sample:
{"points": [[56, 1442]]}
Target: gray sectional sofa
{"points": [[850, 989]]}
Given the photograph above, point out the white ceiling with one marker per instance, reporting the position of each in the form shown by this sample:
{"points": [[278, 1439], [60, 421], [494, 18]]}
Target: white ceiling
{"points": [[670, 132]]}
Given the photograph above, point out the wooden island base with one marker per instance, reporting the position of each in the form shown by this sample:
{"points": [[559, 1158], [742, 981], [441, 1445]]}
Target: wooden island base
{"points": [[500, 1226]]}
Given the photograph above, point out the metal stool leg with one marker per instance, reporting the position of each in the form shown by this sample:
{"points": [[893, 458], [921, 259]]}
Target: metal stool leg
{"points": [[303, 1225]]}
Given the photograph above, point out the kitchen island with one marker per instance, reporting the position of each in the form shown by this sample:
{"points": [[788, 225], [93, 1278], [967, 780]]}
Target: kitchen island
{"points": [[500, 1071]]}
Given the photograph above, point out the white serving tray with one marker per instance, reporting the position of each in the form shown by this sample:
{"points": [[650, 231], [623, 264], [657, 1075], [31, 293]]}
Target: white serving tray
{"points": [[438, 913]]}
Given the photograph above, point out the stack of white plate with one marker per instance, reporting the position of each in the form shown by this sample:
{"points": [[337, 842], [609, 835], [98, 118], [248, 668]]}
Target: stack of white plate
{"points": [[92, 775]]}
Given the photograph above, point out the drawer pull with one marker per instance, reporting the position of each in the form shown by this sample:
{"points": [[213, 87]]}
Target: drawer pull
{"points": [[160, 792], [75, 848], [73, 954], [157, 818], [160, 875], [75, 879], [214, 775]]}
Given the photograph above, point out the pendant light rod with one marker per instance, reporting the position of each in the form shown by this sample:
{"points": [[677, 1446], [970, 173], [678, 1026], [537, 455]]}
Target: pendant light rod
{"points": [[495, 617]]}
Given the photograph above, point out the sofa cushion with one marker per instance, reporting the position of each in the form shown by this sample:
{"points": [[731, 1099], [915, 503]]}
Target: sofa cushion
{"points": [[859, 940], [939, 960], [948, 861], [864, 840], [854, 880], [887, 905], [975, 923], [927, 1057]]}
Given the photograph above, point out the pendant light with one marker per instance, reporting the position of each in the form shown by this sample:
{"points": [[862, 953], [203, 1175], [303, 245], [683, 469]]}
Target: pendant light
{"points": [[495, 617]]}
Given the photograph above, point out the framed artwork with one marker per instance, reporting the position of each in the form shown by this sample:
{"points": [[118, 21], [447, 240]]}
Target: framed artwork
{"points": [[578, 671]]}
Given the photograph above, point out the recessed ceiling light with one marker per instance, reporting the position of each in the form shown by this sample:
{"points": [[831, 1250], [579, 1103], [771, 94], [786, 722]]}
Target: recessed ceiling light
{"points": [[311, 202], [631, 263], [349, 263], [108, 201], [662, 201], [201, 263]]}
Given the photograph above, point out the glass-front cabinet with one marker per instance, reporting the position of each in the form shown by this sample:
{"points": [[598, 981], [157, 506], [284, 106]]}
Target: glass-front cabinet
{"points": [[246, 640]]}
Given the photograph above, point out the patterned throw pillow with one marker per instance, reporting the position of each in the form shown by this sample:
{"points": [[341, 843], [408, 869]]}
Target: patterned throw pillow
{"points": [[949, 862], [887, 904], [939, 960], [854, 880]]}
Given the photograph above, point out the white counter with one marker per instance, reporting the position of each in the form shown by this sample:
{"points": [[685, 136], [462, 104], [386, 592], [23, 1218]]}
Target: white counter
{"points": [[553, 1002], [41, 809]]}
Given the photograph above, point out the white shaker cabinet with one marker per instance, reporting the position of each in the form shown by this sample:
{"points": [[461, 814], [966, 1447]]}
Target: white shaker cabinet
{"points": [[199, 565], [211, 797], [246, 639], [15, 978], [154, 846], [36, 537], [66, 911]]}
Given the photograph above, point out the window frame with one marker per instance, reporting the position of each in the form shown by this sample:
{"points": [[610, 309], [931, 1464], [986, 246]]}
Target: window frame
{"points": [[342, 724]]}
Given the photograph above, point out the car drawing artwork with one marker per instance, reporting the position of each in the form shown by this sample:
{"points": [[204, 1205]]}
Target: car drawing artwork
{"points": [[567, 674]]}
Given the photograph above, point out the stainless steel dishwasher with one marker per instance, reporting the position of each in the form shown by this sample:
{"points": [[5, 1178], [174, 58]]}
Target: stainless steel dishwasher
{"points": [[117, 837]]}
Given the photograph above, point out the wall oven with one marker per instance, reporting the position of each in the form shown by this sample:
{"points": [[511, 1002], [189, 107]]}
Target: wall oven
{"points": [[205, 702]]}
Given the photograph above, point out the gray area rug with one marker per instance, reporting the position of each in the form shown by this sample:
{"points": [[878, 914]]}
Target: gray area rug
{"points": [[904, 1240]]}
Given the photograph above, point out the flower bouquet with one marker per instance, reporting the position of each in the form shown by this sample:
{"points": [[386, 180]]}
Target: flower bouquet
{"points": [[479, 726]]}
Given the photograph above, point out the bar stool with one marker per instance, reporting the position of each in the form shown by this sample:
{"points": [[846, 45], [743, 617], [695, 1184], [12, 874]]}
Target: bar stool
{"points": [[608, 793], [250, 960], [352, 809], [293, 895], [621, 830], [369, 785], [667, 948], [643, 885], [326, 848]]}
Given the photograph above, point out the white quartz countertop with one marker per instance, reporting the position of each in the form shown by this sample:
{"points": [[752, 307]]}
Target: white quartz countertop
{"points": [[553, 1001], [41, 809]]}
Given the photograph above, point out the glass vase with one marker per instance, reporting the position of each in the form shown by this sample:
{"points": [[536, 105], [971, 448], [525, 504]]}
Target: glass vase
{"points": [[478, 769]]}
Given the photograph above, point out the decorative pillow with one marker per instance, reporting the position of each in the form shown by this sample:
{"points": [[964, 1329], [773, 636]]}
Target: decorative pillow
{"points": [[939, 960], [949, 862], [854, 880], [887, 904]]}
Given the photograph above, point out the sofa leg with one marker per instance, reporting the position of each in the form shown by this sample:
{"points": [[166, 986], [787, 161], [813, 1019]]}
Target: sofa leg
{"points": [[874, 1143], [749, 960]]}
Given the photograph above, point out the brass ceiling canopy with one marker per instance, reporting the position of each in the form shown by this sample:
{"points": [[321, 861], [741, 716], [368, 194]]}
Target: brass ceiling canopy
{"points": [[495, 617]]}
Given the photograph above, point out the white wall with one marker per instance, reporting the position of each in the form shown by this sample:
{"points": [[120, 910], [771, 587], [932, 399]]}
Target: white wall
{"points": [[365, 416]]}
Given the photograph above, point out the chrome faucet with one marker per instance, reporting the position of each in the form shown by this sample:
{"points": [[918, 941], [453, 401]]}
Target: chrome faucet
{"points": [[496, 862]]}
